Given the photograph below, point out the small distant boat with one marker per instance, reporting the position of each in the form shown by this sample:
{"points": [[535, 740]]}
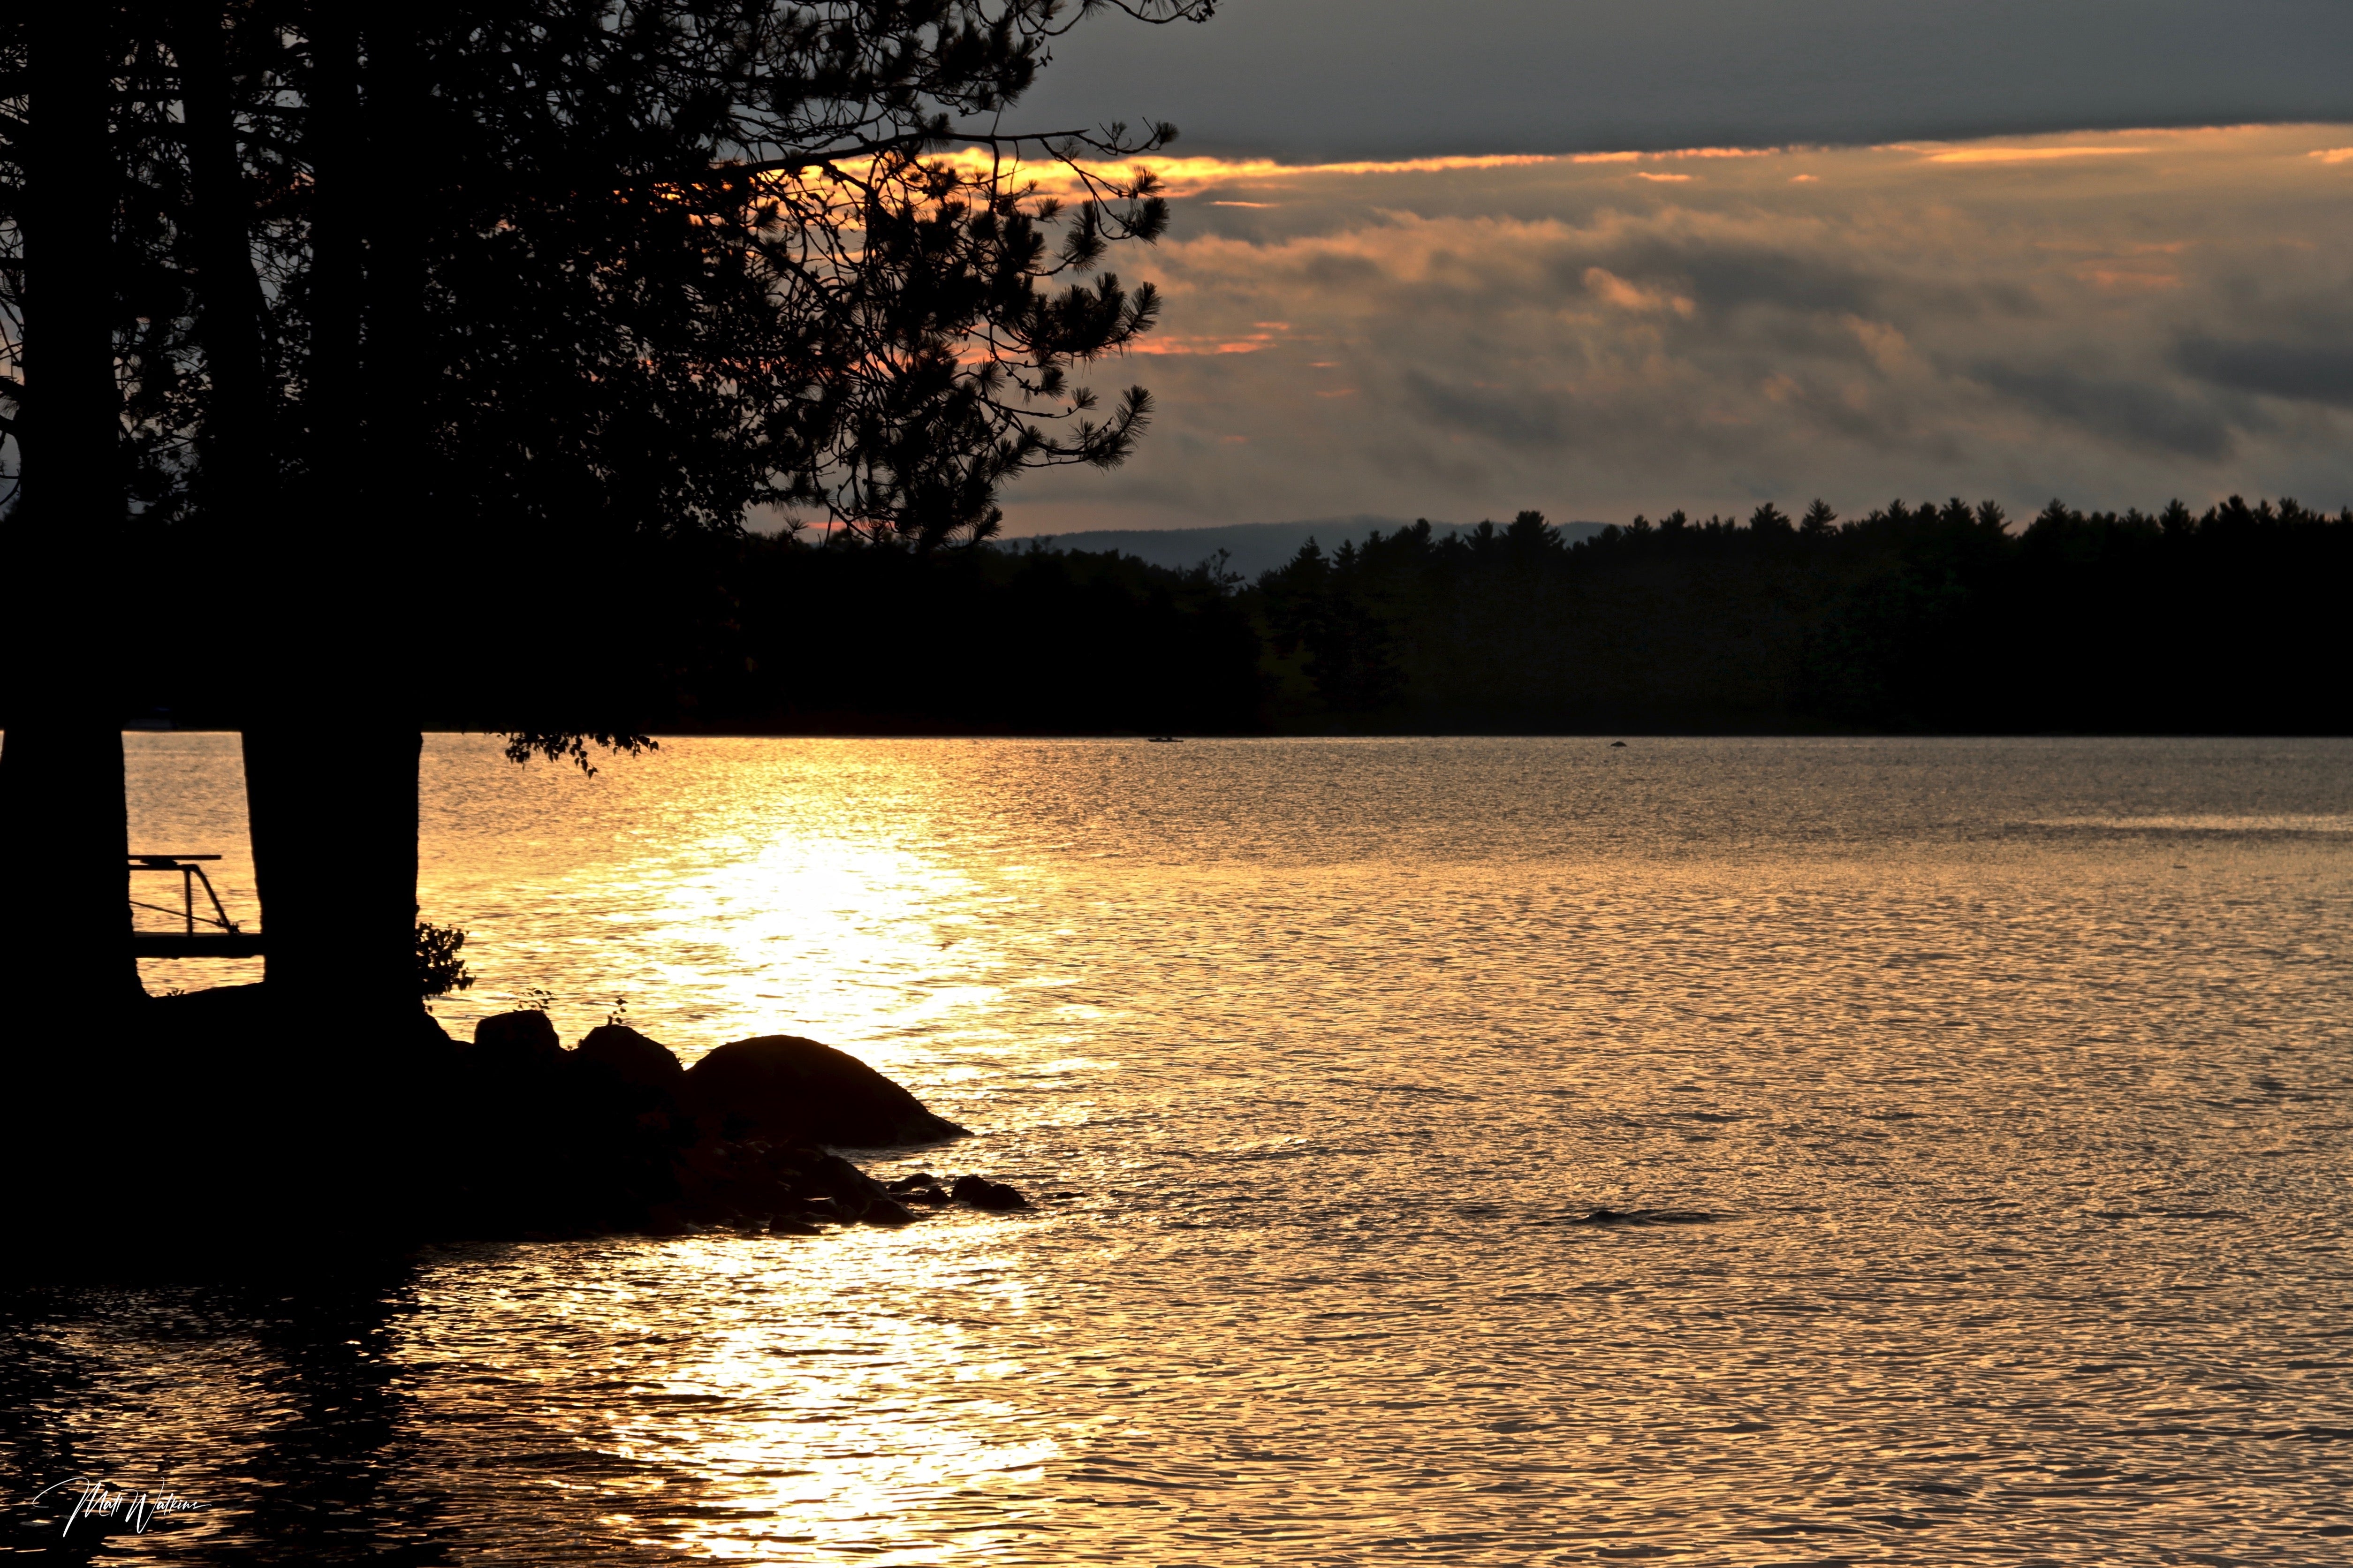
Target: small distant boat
{"points": [[1616, 744], [1164, 740]]}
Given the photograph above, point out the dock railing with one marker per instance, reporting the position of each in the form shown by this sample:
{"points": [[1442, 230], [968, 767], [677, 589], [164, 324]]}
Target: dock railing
{"points": [[200, 935]]}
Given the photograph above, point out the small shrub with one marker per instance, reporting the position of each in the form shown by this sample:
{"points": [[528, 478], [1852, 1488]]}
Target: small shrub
{"points": [[440, 969]]}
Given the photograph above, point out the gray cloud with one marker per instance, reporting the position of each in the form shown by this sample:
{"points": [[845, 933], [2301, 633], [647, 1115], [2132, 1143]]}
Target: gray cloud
{"points": [[2131, 412], [2299, 372], [1732, 275], [1508, 417], [1354, 78]]}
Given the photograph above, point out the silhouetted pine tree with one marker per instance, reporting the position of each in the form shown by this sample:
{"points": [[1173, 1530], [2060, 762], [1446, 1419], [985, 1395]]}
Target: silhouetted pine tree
{"points": [[506, 293]]}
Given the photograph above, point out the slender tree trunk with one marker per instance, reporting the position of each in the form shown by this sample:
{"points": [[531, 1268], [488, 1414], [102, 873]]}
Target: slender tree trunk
{"points": [[396, 479], [238, 469], [65, 928]]}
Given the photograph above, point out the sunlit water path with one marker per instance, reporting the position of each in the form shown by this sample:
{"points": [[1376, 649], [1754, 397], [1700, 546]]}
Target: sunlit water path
{"points": [[2013, 1074]]}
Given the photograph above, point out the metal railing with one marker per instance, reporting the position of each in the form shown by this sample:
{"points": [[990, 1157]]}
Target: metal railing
{"points": [[220, 937]]}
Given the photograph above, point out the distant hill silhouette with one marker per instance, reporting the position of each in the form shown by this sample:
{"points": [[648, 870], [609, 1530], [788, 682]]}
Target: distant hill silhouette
{"points": [[1256, 546]]}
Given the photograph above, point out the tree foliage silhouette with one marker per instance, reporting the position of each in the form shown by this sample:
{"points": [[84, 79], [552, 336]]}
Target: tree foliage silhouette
{"points": [[404, 297]]}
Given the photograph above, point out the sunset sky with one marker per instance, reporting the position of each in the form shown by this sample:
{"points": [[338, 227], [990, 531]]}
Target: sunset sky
{"points": [[2101, 251]]}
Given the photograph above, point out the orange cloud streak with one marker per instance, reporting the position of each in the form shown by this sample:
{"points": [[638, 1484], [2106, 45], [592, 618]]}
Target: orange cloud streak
{"points": [[2023, 154]]}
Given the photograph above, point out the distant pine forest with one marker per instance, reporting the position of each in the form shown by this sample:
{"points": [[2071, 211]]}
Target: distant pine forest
{"points": [[1926, 620]]}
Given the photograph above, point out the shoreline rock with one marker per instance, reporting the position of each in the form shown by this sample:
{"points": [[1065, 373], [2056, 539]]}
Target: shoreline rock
{"points": [[745, 1138], [633, 1059], [783, 1085], [227, 1129]]}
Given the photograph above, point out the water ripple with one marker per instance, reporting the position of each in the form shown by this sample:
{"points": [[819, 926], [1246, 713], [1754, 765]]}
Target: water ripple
{"points": [[1488, 1152]]}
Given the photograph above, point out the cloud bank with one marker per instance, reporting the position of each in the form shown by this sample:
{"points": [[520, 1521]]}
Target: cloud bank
{"points": [[1328, 79], [2117, 318]]}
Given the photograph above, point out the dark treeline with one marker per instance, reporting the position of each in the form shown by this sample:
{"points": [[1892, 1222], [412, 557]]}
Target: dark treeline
{"points": [[1910, 619], [772, 635], [610, 637], [992, 641]]}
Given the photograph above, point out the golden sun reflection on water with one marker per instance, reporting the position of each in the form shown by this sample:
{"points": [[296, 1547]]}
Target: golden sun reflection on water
{"points": [[2012, 1075], [849, 940], [807, 1419]]}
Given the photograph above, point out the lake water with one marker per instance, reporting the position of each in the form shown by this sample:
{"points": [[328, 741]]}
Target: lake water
{"points": [[2013, 1076]]}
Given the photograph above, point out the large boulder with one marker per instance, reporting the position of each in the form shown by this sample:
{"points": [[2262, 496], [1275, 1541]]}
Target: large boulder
{"points": [[786, 1087], [634, 1059], [520, 1036]]}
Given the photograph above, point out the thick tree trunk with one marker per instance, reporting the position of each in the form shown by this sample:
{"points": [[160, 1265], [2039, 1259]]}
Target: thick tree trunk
{"points": [[330, 756], [65, 928], [65, 935], [334, 809]]}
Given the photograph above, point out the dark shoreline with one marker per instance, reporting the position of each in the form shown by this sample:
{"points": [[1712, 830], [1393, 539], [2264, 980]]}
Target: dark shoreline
{"points": [[1912, 620], [880, 730], [223, 1131]]}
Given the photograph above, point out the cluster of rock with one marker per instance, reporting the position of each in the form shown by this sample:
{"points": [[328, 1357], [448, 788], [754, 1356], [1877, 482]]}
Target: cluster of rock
{"points": [[237, 1129], [617, 1135]]}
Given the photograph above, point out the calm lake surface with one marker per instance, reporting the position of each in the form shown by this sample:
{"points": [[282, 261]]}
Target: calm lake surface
{"points": [[2014, 1075]]}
